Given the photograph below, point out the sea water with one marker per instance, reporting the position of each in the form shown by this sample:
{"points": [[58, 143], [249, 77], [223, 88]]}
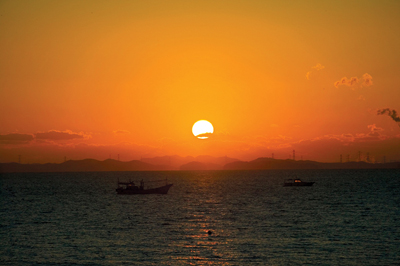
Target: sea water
{"points": [[349, 217]]}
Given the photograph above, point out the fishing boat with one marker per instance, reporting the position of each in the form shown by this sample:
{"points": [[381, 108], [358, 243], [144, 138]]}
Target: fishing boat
{"points": [[129, 188], [297, 183]]}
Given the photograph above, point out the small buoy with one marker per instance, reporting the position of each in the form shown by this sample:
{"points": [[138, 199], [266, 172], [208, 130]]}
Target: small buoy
{"points": [[209, 232]]}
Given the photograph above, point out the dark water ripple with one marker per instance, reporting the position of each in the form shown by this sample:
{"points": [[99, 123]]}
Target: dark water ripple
{"points": [[349, 217]]}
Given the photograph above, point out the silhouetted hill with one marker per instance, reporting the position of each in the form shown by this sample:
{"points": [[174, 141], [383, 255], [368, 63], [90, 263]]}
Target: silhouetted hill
{"points": [[269, 163], [145, 164], [195, 165], [175, 162], [87, 165]]}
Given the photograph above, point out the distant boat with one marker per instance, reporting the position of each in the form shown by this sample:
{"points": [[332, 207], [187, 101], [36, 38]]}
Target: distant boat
{"points": [[297, 183], [129, 188]]}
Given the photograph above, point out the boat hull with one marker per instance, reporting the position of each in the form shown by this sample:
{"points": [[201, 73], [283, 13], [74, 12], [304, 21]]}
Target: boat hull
{"points": [[159, 190], [302, 184]]}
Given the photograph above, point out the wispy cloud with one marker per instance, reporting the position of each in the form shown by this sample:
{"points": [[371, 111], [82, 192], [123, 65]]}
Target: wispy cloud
{"points": [[204, 135], [60, 135], [361, 98], [391, 113], [15, 138], [121, 132], [374, 130], [354, 82], [317, 67], [367, 80], [345, 81]]}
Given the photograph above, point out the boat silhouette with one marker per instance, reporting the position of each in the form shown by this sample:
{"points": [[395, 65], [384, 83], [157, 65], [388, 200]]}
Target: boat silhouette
{"points": [[129, 188], [297, 183]]}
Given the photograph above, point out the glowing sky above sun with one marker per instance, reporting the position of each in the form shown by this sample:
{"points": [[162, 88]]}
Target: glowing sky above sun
{"points": [[93, 79]]}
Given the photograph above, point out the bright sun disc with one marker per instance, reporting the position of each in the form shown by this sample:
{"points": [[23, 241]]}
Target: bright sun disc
{"points": [[202, 128]]}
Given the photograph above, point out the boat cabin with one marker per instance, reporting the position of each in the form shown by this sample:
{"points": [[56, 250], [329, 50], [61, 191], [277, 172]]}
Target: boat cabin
{"points": [[296, 182]]}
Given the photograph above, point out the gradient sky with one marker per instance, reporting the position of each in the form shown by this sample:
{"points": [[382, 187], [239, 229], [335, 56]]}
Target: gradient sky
{"points": [[94, 79]]}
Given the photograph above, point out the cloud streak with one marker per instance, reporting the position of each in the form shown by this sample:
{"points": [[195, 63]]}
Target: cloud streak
{"points": [[317, 67], [391, 113], [121, 132], [374, 130], [365, 81], [15, 138], [59, 135]]}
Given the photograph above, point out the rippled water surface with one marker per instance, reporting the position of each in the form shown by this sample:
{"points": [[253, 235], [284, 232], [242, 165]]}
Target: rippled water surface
{"points": [[349, 217]]}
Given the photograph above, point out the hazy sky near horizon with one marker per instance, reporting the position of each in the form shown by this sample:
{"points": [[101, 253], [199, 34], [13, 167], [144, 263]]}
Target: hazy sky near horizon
{"points": [[99, 78]]}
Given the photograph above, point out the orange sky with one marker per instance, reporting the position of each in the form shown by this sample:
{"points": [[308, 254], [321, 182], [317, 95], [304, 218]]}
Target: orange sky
{"points": [[93, 79]]}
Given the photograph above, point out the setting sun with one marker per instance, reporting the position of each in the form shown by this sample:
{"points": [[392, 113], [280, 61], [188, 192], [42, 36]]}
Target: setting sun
{"points": [[202, 128]]}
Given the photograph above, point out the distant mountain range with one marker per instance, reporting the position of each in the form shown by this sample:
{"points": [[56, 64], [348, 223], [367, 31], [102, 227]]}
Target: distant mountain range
{"points": [[165, 163], [189, 163], [87, 165]]}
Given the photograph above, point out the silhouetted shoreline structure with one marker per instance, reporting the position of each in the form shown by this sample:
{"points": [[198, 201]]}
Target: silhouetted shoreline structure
{"points": [[269, 163]]}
